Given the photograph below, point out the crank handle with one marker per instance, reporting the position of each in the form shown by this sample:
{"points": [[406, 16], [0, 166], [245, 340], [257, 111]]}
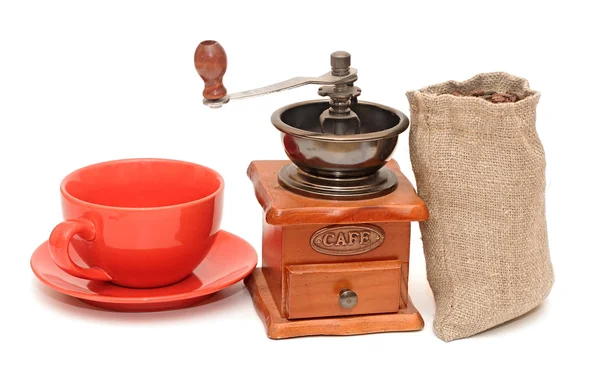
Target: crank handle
{"points": [[210, 60]]}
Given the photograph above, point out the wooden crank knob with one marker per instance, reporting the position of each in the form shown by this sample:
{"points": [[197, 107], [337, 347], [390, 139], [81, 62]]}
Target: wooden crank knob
{"points": [[211, 63]]}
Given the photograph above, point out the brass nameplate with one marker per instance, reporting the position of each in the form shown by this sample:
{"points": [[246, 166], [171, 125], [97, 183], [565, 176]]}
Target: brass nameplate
{"points": [[347, 239]]}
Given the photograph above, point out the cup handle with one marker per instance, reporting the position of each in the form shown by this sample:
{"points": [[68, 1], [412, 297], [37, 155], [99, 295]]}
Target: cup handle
{"points": [[58, 244]]}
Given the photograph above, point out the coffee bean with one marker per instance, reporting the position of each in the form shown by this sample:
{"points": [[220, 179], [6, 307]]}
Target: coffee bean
{"points": [[498, 97]]}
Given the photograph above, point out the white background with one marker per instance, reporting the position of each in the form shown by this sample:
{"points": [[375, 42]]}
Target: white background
{"points": [[84, 82]]}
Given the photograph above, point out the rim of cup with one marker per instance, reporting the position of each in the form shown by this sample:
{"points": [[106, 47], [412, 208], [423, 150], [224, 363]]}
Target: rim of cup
{"points": [[74, 199]]}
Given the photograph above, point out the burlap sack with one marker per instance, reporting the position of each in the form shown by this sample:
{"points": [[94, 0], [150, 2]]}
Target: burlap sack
{"points": [[480, 168]]}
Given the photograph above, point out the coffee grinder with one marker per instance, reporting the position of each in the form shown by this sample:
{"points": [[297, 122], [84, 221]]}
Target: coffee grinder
{"points": [[337, 214]]}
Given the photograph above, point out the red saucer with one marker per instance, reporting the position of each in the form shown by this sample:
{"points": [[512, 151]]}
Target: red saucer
{"points": [[230, 260]]}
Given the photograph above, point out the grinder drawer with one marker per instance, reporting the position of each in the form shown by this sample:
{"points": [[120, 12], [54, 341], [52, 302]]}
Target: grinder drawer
{"points": [[338, 289]]}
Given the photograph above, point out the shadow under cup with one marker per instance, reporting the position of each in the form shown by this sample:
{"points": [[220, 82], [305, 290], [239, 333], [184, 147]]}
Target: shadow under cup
{"points": [[138, 222]]}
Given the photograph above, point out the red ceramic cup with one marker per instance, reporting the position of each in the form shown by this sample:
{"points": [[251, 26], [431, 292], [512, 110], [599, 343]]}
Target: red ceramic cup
{"points": [[138, 223]]}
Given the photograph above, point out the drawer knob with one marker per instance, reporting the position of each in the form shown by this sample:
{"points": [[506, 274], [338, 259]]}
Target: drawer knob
{"points": [[348, 298]]}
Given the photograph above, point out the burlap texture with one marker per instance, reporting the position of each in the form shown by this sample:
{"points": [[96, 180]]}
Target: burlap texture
{"points": [[480, 168]]}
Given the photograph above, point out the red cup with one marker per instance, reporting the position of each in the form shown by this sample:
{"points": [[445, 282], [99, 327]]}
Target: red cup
{"points": [[138, 223]]}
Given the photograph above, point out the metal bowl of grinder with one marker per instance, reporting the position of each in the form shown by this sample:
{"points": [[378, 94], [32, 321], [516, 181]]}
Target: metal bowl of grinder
{"points": [[330, 166]]}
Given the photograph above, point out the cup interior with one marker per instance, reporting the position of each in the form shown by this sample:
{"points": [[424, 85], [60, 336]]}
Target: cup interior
{"points": [[142, 183]]}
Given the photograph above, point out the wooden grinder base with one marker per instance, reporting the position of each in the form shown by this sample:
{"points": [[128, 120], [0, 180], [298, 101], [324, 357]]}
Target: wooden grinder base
{"points": [[314, 250], [406, 319]]}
